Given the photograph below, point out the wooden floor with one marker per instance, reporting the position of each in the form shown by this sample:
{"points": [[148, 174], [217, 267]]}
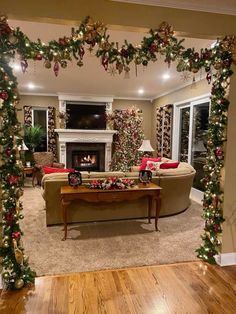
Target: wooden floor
{"points": [[179, 288]]}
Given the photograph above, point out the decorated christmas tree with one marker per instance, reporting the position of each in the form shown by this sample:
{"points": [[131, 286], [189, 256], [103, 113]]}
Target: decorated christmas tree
{"points": [[128, 139]]}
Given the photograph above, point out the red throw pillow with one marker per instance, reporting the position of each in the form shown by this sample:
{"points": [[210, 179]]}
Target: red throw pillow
{"points": [[144, 162], [48, 170], [169, 165]]}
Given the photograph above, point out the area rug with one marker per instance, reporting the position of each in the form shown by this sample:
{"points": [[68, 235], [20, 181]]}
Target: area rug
{"points": [[106, 245]]}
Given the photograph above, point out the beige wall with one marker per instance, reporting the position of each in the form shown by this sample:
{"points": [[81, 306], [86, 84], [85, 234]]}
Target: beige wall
{"points": [[186, 93], [35, 101], [145, 106], [45, 101]]}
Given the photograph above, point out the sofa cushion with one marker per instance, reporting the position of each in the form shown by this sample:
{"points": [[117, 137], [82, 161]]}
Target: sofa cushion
{"points": [[48, 170], [106, 174], [144, 162], [152, 165], [169, 165], [183, 169]]}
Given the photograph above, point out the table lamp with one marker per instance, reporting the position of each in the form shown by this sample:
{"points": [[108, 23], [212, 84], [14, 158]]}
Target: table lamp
{"points": [[146, 148]]}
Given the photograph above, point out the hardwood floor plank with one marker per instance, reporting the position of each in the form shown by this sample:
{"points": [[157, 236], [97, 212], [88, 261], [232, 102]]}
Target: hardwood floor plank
{"points": [[181, 288]]}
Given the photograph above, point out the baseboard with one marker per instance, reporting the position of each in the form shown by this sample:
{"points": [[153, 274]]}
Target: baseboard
{"points": [[226, 259]]}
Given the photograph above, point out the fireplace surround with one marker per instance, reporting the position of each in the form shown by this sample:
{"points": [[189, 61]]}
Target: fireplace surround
{"points": [[70, 140]]}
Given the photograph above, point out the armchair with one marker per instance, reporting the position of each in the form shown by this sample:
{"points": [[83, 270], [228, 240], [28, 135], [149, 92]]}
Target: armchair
{"points": [[42, 159]]}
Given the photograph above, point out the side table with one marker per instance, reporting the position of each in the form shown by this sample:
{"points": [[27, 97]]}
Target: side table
{"points": [[30, 170]]}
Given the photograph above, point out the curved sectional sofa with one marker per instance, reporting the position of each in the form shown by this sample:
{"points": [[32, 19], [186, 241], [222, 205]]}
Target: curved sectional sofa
{"points": [[176, 185]]}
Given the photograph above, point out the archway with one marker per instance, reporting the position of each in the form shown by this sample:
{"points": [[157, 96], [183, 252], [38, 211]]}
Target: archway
{"points": [[55, 54]]}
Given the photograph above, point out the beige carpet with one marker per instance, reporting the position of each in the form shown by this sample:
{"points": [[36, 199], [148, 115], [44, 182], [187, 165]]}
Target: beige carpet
{"points": [[106, 245]]}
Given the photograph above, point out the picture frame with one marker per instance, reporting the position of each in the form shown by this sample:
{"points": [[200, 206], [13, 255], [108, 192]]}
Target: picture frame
{"points": [[75, 178], [145, 176]]}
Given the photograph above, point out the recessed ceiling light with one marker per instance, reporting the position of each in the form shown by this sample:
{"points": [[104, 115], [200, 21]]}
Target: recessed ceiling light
{"points": [[16, 67], [31, 86], [166, 76], [140, 91]]}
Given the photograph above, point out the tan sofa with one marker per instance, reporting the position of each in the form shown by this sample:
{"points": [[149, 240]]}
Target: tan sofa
{"points": [[175, 183]]}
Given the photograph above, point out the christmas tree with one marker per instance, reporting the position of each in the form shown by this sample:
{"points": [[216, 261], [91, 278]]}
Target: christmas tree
{"points": [[128, 139]]}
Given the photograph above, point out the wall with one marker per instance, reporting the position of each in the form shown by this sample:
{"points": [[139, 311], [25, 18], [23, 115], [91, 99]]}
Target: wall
{"points": [[45, 101], [35, 101], [201, 88], [145, 106]]}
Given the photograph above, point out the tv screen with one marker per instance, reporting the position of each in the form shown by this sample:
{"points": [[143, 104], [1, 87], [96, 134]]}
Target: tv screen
{"points": [[86, 116]]}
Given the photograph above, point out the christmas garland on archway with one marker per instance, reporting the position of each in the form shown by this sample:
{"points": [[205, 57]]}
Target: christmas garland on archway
{"points": [[56, 54]]}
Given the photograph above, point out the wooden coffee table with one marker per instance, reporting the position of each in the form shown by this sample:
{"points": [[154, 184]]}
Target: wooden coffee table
{"points": [[151, 191]]}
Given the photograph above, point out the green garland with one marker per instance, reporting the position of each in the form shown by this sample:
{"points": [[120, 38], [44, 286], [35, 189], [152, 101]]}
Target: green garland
{"points": [[56, 54]]}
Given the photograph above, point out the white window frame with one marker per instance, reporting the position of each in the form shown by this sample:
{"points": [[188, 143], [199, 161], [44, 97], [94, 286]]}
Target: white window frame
{"points": [[195, 194]]}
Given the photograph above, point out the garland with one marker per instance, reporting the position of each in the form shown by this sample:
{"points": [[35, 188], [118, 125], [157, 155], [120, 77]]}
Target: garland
{"points": [[112, 183], [56, 54]]}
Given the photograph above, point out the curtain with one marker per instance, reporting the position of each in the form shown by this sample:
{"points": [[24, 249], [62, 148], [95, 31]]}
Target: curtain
{"points": [[28, 116], [52, 143], [164, 118]]}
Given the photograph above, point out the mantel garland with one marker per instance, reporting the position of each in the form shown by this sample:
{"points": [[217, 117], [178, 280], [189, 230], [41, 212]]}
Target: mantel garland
{"points": [[93, 36]]}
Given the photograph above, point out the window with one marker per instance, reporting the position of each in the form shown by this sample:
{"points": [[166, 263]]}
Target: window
{"points": [[40, 117], [190, 141]]}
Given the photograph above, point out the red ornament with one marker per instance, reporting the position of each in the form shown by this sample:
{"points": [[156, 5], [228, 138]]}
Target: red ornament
{"points": [[4, 95], [62, 41], [81, 52], [4, 28], [56, 68], [8, 152], [216, 227], [13, 179], [208, 77], [16, 235], [24, 65], [219, 152], [9, 218], [105, 63], [38, 57], [124, 53], [153, 48]]}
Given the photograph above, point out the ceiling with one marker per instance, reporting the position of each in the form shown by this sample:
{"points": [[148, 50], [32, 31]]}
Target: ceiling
{"points": [[216, 6], [92, 79]]}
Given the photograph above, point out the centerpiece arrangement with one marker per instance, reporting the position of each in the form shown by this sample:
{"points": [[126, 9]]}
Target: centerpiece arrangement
{"points": [[112, 183]]}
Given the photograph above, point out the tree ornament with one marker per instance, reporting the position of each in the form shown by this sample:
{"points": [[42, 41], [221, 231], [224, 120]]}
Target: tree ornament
{"points": [[12, 39], [4, 95], [13, 179], [80, 63], [219, 153], [105, 63], [16, 235], [56, 68], [5, 244], [4, 27], [63, 64], [18, 253], [38, 57], [47, 64], [145, 63], [19, 283], [208, 77], [5, 275], [24, 65]]}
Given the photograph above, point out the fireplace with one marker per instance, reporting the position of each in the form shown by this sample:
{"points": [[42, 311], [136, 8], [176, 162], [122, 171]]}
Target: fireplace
{"points": [[86, 156], [86, 141]]}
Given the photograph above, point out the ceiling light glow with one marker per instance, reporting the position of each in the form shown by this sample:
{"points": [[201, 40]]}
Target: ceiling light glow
{"points": [[166, 76], [16, 67], [31, 86], [140, 91]]}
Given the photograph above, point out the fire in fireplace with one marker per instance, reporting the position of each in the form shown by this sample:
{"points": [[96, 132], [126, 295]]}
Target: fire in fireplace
{"points": [[85, 160]]}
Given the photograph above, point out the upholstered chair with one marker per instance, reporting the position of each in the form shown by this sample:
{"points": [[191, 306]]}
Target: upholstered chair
{"points": [[42, 159]]}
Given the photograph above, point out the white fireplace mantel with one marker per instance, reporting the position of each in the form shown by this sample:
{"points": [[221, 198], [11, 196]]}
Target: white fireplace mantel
{"points": [[86, 136]]}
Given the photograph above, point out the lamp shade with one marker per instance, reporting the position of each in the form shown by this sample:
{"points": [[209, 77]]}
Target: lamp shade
{"points": [[146, 146]]}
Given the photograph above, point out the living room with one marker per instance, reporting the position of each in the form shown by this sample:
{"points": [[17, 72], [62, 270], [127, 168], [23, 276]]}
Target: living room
{"points": [[194, 91]]}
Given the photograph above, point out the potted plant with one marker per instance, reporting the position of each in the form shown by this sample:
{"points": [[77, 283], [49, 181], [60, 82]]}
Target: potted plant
{"points": [[33, 136]]}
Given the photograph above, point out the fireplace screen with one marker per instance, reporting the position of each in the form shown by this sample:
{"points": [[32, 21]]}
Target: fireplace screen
{"points": [[85, 160]]}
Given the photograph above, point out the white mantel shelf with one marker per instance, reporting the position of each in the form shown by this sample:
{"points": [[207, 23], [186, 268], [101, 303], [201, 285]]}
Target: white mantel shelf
{"points": [[85, 136]]}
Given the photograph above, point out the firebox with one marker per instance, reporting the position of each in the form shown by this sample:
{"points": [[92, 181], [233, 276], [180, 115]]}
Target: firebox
{"points": [[85, 160], [86, 156]]}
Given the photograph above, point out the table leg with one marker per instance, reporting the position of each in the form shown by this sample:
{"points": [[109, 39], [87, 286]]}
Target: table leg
{"points": [[150, 203], [64, 206], [158, 208], [33, 177]]}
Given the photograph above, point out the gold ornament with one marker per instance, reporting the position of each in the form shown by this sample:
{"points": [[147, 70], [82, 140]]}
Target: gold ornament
{"points": [[165, 31], [5, 244], [5, 275], [228, 43], [12, 39], [19, 283], [18, 253]]}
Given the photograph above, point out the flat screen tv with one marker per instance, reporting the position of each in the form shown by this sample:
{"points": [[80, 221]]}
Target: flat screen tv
{"points": [[86, 116]]}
